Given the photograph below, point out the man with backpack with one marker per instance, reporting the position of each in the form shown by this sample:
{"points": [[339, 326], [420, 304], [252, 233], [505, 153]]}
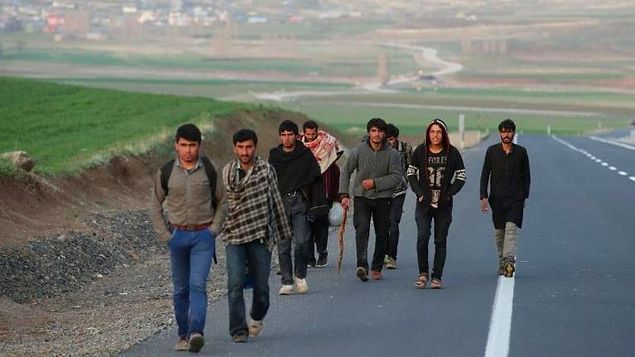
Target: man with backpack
{"points": [[188, 185]]}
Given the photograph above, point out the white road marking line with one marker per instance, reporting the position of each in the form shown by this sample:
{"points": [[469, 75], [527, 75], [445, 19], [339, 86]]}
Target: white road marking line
{"points": [[501, 323], [599, 161], [612, 142]]}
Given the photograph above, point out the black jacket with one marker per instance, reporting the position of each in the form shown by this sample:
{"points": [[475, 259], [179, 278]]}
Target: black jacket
{"points": [[508, 175], [453, 179]]}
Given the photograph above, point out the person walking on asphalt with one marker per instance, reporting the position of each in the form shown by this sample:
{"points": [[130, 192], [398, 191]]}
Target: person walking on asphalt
{"points": [[254, 220], [398, 196], [326, 150], [378, 173], [436, 173], [300, 184], [506, 170], [188, 185]]}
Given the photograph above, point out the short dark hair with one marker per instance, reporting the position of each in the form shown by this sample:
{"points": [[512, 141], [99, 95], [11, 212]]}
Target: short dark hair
{"points": [[244, 135], [188, 132], [507, 124], [378, 123], [288, 125], [310, 124], [392, 131]]}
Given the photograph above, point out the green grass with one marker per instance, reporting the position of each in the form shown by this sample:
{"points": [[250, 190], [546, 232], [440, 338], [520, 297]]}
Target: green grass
{"points": [[66, 128]]}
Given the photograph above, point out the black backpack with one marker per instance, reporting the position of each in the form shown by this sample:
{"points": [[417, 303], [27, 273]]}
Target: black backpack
{"points": [[166, 170]]}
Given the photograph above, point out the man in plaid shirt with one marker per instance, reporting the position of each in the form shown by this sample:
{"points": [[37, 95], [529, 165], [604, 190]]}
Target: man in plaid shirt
{"points": [[254, 220]]}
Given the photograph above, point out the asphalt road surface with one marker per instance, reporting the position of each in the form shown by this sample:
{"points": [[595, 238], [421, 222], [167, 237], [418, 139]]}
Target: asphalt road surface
{"points": [[573, 295]]}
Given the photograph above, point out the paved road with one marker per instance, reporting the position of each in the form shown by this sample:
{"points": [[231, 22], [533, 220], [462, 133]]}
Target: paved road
{"points": [[574, 292]]}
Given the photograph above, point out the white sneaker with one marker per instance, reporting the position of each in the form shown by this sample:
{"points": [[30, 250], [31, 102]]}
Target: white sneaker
{"points": [[301, 286], [286, 290], [255, 327]]}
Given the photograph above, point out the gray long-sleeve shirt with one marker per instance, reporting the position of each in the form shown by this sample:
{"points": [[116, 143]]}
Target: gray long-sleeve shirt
{"points": [[383, 166], [189, 201]]}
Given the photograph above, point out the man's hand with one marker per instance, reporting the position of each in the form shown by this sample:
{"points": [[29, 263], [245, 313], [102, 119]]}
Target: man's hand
{"points": [[346, 203], [368, 184], [484, 205]]}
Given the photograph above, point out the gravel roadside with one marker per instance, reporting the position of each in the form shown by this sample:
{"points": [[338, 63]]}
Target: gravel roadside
{"points": [[90, 294]]}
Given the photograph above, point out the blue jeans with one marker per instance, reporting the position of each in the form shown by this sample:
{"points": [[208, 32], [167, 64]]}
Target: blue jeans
{"points": [[257, 258], [191, 258], [379, 210], [296, 207]]}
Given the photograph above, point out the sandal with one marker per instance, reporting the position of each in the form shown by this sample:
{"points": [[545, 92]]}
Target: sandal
{"points": [[421, 281]]}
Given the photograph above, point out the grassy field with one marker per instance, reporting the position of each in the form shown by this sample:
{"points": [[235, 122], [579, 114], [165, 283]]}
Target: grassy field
{"points": [[66, 128]]}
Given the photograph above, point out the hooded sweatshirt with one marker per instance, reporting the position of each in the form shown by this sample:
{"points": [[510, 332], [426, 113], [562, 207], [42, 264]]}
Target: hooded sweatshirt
{"points": [[450, 180]]}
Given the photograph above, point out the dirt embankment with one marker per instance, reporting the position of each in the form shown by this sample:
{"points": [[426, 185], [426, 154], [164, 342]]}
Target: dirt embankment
{"points": [[81, 269]]}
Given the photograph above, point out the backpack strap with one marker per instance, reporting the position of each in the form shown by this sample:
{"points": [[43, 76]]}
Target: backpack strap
{"points": [[210, 170], [166, 171]]}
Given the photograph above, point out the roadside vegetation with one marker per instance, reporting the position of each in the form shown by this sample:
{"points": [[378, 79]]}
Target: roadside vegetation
{"points": [[66, 128]]}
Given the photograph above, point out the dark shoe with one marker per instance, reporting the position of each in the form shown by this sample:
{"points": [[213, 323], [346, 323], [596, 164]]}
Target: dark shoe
{"points": [[311, 263], [501, 270], [436, 284], [376, 275], [322, 261], [196, 342], [509, 269], [240, 338], [361, 274]]}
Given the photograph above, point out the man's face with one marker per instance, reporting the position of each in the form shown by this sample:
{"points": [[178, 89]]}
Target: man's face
{"points": [[376, 135], [187, 150], [506, 136], [392, 141], [436, 134], [310, 134], [245, 151], [287, 139]]}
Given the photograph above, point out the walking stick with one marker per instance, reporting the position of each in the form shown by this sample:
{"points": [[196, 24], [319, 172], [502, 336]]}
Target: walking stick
{"points": [[340, 241]]}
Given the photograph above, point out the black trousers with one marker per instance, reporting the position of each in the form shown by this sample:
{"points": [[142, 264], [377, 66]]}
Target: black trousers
{"points": [[379, 210], [442, 218], [395, 219]]}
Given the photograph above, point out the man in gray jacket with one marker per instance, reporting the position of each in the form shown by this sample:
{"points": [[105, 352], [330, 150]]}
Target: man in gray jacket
{"points": [[378, 169]]}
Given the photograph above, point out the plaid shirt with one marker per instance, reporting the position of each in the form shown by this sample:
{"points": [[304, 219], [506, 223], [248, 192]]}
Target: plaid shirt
{"points": [[253, 206]]}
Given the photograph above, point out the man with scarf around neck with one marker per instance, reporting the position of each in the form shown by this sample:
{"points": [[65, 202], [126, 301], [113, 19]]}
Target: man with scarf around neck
{"points": [[327, 151], [300, 184], [378, 170], [254, 220], [506, 170], [436, 173]]}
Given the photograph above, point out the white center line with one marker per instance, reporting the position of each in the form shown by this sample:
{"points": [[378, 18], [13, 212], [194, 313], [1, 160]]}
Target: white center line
{"points": [[623, 173], [501, 323], [632, 178]]}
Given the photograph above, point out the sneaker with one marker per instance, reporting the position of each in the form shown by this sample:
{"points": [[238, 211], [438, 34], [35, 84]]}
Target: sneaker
{"points": [[322, 261], [436, 283], [311, 263], [301, 287], [509, 269], [196, 342], [361, 274], [390, 263], [255, 327], [386, 257], [286, 289], [501, 270], [376, 275], [240, 338], [182, 345]]}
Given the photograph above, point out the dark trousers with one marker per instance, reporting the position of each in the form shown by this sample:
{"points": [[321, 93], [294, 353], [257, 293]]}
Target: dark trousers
{"points": [[395, 219], [319, 237], [442, 218], [257, 258], [296, 207], [379, 210]]}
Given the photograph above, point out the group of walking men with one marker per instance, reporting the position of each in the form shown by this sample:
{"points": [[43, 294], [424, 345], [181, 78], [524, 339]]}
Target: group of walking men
{"points": [[257, 205]]}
